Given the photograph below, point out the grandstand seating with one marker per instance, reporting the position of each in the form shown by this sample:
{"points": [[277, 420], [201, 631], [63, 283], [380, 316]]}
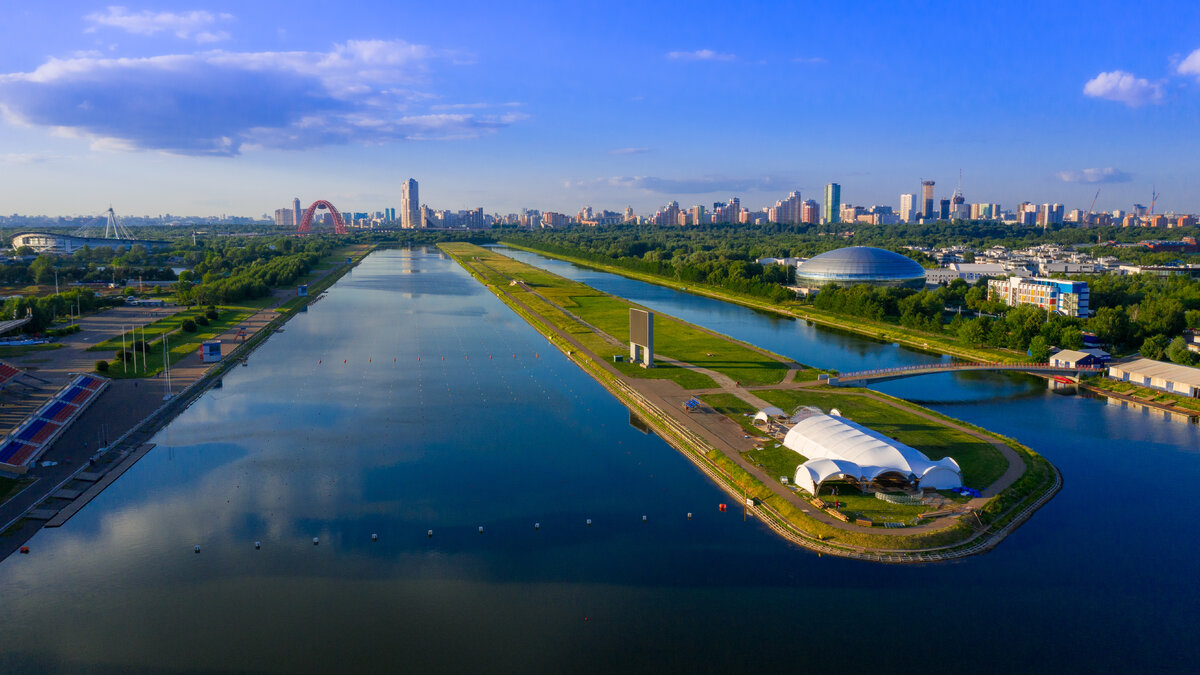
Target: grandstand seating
{"points": [[39, 431], [7, 373]]}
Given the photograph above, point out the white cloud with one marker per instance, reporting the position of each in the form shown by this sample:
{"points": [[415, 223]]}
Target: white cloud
{"points": [[698, 185], [1127, 88], [1105, 175], [628, 151], [1190, 65], [218, 102], [474, 106], [187, 25], [28, 158], [810, 60], [700, 55]]}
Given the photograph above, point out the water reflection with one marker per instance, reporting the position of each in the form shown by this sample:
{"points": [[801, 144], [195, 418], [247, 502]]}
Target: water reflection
{"points": [[351, 423]]}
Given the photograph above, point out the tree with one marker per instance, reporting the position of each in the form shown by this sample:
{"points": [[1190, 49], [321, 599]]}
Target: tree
{"points": [[42, 269], [1039, 350], [974, 331], [1111, 325], [1178, 352], [1161, 315], [1155, 347]]}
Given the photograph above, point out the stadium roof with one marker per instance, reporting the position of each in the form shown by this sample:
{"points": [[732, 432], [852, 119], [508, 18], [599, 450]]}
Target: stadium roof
{"points": [[860, 265], [861, 453]]}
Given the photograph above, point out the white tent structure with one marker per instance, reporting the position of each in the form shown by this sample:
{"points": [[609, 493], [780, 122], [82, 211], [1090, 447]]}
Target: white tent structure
{"points": [[838, 448], [764, 416]]}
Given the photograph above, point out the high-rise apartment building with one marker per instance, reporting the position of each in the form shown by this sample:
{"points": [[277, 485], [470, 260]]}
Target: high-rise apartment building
{"points": [[907, 202], [410, 205], [284, 216], [810, 212], [786, 211], [927, 198], [297, 213], [833, 203]]}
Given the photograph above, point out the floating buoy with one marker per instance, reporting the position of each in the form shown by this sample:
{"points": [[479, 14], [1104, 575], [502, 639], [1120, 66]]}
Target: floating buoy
{"points": [[343, 360], [430, 533], [374, 537], [489, 356], [318, 362], [537, 526], [369, 360], [480, 529], [196, 549], [689, 515], [24, 549], [316, 540], [721, 507], [643, 519], [589, 522], [393, 360], [257, 545]]}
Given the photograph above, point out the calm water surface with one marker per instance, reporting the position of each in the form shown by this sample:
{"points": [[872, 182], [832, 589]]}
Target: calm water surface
{"points": [[503, 433]]}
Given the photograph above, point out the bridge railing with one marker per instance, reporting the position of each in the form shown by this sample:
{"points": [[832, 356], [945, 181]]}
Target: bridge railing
{"points": [[951, 367]]}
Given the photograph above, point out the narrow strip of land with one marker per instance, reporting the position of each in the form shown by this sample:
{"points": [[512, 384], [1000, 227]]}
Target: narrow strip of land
{"points": [[559, 309]]}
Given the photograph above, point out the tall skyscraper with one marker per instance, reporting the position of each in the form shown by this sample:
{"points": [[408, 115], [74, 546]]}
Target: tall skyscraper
{"points": [[944, 210], [297, 213], [410, 205], [833, 203], [906, 207], [927, 198]]}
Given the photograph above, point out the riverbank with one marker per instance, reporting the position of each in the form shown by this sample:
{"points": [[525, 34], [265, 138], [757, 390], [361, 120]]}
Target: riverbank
{"points": [[1143, 396], [875, 329], [54, 489], [718, 445]]}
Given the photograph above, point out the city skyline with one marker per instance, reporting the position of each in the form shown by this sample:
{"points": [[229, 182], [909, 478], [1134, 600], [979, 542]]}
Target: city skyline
{"points": [[234, 109]]}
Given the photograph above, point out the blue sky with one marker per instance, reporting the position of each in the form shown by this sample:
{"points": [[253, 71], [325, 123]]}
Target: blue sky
{"points": [[211, 108]]}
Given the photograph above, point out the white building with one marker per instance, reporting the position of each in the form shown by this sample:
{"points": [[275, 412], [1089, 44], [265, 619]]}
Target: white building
{"points": [[1169, 377]]}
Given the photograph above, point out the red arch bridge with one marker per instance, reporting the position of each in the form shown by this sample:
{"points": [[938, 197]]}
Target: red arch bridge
{"points": [[882, 374], [339, 225]]}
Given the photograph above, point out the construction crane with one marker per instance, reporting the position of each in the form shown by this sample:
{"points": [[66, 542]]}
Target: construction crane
{"points": [[1092, 208], [1153, 198]]}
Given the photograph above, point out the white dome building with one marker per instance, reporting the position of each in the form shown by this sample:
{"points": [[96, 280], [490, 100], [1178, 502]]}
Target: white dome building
{"points": [[835, 448]]}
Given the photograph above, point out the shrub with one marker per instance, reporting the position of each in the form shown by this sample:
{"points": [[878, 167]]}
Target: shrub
{"points": [[201, 321], [212, 314], [102, 366], [188, 326], [124, 355]]}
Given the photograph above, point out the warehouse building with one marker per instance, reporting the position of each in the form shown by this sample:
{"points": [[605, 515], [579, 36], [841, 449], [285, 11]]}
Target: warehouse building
{"points": [[1168, 377]]}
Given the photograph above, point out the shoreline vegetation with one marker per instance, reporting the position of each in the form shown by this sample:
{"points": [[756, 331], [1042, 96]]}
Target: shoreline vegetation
{"points": [[879, 330], [884, 331], [567, 314]]}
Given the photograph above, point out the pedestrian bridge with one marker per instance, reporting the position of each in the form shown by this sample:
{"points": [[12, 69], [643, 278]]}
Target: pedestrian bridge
{"points": [[881, 374]]}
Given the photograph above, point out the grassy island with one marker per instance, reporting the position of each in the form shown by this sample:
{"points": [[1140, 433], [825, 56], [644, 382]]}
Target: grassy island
{"points": [[734, 379]]}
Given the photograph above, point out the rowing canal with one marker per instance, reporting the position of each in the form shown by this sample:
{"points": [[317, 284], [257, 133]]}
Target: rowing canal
{"points": [[410, 399]]}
